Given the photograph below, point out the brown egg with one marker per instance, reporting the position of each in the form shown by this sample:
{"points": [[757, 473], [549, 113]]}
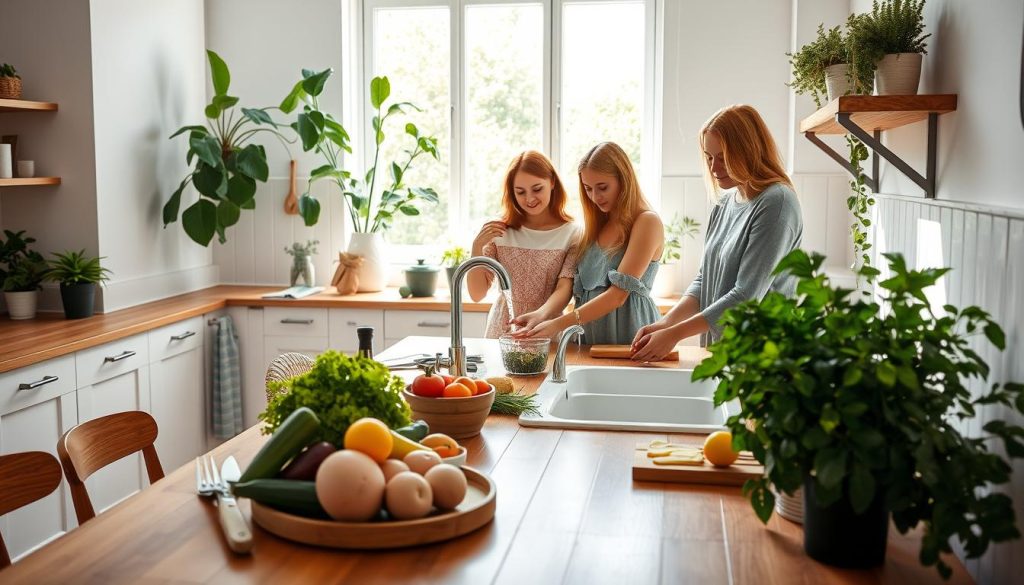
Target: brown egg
{"points": [[448, 484], [408, 496], [350, 486], [392, 467], [421, 461]]}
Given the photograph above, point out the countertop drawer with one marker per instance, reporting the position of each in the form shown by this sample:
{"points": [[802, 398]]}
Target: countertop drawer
{"points": [[400, 324], [176, 338], [37, 383], [301, 321], [344, 322], [111, 359]]}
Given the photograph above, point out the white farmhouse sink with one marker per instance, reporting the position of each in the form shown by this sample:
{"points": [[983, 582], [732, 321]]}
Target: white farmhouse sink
{"points": [[628, 399]]}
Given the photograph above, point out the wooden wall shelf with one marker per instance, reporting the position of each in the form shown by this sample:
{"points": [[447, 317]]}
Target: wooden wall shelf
{"points": [[866, 116], [7, 105], [29, 181]]}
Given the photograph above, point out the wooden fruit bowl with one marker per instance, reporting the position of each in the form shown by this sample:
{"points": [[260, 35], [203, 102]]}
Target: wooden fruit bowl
{"points": [[459, 418], [476, 510]]}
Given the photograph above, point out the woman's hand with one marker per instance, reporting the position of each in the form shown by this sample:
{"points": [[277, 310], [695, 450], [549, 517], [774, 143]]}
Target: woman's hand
{"points": [[528, 320], [647, 330], [549, 329], [489, 231], [655, 345]]}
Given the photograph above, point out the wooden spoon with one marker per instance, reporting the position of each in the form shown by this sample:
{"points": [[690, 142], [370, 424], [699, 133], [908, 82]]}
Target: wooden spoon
{"points": [[291, 202]]}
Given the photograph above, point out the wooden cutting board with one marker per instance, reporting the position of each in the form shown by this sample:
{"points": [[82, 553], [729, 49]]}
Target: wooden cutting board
{"points": [[746, 467], [624, 352]]}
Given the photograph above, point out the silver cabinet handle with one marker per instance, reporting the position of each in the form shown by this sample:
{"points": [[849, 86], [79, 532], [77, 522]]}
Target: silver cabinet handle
{"points": [[122, 356], [33, 385], [351, 323], [181, 336], [433, 324], [297, 321]]}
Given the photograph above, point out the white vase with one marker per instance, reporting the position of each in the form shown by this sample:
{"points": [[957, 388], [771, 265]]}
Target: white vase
{"points": [[21, 305], [898, 74], [837, 80], [373, 275]]}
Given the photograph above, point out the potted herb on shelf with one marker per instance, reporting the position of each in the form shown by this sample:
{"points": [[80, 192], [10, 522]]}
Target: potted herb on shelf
{"points": [[451, 258], [22, 271], [78, 276], [889, 42], [675, 231], [10, 82], [863, 408]]}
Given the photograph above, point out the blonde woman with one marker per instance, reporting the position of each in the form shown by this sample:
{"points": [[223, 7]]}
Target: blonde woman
{"points": [[617, 256], [755, 222]]}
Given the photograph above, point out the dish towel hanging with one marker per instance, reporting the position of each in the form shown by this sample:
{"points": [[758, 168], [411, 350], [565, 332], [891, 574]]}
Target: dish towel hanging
{"points": [[226, 407]]}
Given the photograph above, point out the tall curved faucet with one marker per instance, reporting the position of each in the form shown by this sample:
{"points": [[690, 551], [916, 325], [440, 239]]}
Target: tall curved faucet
{"points": [[558, 367], [457, 352]]}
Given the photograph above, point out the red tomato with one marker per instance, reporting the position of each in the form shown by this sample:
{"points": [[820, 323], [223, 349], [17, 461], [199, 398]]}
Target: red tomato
{"points": [[430, 386]]}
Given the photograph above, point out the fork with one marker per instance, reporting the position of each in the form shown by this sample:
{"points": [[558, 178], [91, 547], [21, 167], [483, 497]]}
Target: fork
{"points": [[210, 483]]}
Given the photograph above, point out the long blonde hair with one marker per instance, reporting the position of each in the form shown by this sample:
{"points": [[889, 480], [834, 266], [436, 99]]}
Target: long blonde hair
{"points": [[536, 164], [609, 158], [751, 157]]}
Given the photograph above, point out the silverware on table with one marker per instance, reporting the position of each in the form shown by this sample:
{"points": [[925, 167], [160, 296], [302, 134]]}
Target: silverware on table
{"points": [[210, 482]]}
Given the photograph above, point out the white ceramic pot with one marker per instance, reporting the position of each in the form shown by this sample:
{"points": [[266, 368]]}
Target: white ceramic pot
{"points": [[373, 275], [898, 74], [837, 81], [21, 305], [790, 507]]}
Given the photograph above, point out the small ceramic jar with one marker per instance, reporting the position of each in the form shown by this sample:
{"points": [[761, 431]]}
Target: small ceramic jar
{"points": [[421, 279]]}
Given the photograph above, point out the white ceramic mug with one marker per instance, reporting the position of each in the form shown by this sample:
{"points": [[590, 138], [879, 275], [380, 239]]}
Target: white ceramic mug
{"points": [[26, 168], [5, 162]]}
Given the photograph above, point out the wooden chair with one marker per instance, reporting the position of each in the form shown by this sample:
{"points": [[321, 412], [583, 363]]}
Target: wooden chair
{"points": [[25, 478], [93, 445], [285, 366]]}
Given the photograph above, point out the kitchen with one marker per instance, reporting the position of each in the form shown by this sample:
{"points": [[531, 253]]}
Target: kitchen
{"points": [[125, 75]]}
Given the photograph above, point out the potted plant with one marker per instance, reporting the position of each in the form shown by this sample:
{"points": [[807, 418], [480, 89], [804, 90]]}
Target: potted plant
{"points": [[227, 163], [302, 262], [451, 258], [822, 68], [889, 42], [861, 406], [371, 200], [78, 276], [675, 231], [22, 271], [10, 82]]}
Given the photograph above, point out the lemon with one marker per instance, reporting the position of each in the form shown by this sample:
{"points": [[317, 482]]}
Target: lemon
{"points": [[718, 449]]}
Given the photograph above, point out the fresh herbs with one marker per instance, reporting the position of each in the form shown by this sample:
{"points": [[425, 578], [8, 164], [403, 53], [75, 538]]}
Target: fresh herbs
{"points": [[340, 390], [515, 403], [519, 361]]}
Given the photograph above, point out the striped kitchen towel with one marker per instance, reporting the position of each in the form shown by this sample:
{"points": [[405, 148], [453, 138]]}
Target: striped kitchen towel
{"points": [[226, 407]]}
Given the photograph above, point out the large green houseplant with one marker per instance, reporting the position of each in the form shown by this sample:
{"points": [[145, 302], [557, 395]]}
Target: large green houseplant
{"points": [[227, 164], [828, 54], [891, 39], [860, 405], [78, 275]]}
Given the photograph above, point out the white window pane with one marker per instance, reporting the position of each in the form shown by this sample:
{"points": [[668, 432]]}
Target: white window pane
{"points": [[411, 46], [504, 72], [602, 82]]}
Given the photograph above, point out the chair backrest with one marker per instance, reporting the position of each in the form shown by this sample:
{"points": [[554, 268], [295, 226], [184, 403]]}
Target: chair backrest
{"points": [[285, 366], [93, 445], [25, 478]]}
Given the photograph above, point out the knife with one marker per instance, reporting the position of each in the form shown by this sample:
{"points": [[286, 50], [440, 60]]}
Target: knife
{"points": [[236, 530]]}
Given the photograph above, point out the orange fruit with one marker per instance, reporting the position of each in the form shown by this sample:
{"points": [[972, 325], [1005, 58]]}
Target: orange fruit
{"points": [[370, 437], [718, 449], [482, 387], [456, 390], [448, 379], [467, 382]]}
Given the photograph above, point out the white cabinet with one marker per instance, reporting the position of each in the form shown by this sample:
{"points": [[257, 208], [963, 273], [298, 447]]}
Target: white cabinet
{"points": [[342, 325], [401, 324], [37, 406], [114, 377], [177, 391]]}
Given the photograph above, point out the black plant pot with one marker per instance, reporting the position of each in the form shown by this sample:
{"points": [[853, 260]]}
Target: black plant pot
{"points": [[837, 536], [78, 299]]}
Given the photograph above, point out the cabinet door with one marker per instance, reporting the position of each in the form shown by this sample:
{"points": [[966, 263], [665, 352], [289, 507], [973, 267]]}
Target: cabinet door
{"points": [[342, 324], [34, 419], [178, 404], [399, 324]]}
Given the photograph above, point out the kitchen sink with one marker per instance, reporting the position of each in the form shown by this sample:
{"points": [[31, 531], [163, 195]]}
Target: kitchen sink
{"points": [[628, 399]]}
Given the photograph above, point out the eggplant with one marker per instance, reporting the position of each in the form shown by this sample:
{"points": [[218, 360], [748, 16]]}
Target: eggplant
{"points": [[305, 464]]}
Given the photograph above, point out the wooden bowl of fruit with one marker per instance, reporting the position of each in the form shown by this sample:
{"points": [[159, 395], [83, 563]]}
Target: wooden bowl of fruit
{"points": [[457, 407]]}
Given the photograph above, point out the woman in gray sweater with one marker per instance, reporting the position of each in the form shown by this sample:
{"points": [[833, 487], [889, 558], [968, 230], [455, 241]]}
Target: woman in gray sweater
{"points": [[756, 221]]}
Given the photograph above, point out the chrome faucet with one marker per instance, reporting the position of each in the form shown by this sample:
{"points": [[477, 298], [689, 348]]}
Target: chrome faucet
{"points": [[558, 367], [457, 352]]}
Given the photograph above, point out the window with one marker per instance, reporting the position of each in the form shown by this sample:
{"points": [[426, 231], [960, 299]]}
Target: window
{"points": [[495, 77]]}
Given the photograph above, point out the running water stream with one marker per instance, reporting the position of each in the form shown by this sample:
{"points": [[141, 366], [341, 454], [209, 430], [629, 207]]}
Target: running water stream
{"points": [[507, 294]]}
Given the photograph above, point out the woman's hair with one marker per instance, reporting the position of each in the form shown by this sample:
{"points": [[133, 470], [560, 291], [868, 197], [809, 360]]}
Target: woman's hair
{"points": [[533, 163], [609, 158], [751, 157]]}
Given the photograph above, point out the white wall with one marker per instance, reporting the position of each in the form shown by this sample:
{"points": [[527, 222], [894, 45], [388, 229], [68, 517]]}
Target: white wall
{"points": [[148, 80]]}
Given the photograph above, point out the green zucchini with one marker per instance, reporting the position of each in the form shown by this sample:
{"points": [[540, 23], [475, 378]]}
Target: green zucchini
{"points": [[295, 433], [416, 431], [288, 495]]}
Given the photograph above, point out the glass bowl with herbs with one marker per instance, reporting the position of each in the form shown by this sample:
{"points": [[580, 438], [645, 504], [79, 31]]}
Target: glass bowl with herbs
{"points": [[524, 357]]}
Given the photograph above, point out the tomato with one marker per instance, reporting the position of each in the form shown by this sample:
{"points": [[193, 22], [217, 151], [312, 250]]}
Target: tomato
{"points": [[431, 386], [456, 390], [448, 379]]}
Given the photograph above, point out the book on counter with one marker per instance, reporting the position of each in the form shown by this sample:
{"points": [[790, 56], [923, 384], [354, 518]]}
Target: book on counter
{"points": [[295, 292]]}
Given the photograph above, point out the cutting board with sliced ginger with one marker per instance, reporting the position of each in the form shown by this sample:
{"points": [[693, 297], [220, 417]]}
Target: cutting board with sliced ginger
{"points": [[685, 463]]}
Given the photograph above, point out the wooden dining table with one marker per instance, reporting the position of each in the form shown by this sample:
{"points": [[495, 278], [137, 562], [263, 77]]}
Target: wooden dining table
{"points": [[568, 511]]}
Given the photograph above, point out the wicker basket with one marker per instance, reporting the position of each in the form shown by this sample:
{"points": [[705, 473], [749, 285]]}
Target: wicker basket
{"points": [[10, 88], [286, 366]]}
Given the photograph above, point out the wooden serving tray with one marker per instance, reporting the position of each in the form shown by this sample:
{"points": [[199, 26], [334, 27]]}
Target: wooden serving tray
{"points": [[746, 467], [476, 510], [623, 352]]}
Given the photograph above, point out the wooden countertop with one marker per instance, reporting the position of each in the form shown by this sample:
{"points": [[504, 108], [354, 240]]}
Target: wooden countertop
{"points": [[567, 511], [49, 335]]}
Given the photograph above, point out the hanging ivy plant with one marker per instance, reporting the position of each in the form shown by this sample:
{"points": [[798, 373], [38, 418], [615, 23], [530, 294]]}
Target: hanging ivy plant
{"points": [[859, 203]]}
